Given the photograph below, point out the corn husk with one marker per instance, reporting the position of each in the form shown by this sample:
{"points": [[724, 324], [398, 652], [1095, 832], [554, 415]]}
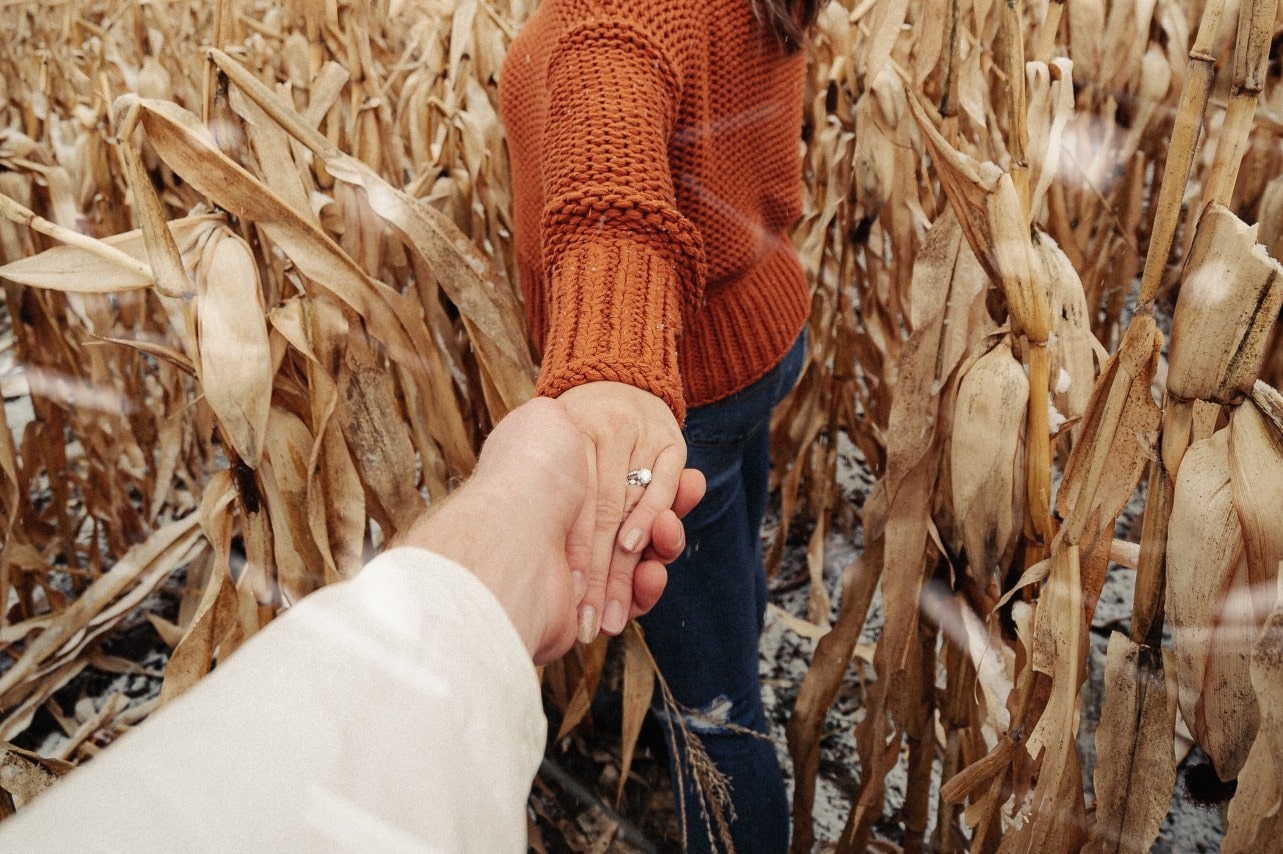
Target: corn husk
{"points": [[1229, 302], [988, 426]]}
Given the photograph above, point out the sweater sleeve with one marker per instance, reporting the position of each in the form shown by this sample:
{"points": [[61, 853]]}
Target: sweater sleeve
{"points": [[622, 263]]}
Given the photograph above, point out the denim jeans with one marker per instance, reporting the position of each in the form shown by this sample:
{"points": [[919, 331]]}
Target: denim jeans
{"points": [[704, 632]]}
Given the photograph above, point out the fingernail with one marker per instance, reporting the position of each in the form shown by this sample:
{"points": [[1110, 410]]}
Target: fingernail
{"points": [[579, 583], [587, 624], [612, 622], [632, 541]]}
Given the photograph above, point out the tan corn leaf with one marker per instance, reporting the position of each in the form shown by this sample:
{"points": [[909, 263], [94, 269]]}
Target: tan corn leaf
{"points": [[992, 218], [235, 354], [170, 633], [888, 18], [1204, 554], [335, 496], [26, 774], [823, 680], [593, 657], [1134, 743], [169, 445], [162, 250], [874, 152], [1055, 88], [216, 609], [276, 162], [51, 680], [336, 505], [1270, 217], [187, 148], [488, 307], [1255, 817], [1119, 437], [639, 685], [289, 453], [75, 268], [1229, 715], [1086, 30], [156, 554], [1256, 479], [376, 431], [1057, 815], [1229, 302]]}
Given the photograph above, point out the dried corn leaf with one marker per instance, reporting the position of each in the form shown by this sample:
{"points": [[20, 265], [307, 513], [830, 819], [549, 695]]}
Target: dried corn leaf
{"points": [[376, 432], [1056, 817], [639, 685], [1256, 812], [1134, 742], [26, 774], [1120, 431], [593, 659], [1204, 557], [159, 554], [1256, 478], [288, 456], [488, 308], [77, 268]]}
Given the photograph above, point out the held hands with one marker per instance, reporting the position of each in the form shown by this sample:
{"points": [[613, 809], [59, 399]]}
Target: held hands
{"points": [[525, 519], [617, 553]]}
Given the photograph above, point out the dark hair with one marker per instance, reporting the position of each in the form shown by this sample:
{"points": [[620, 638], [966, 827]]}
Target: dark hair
{"points": [[788, 20]]}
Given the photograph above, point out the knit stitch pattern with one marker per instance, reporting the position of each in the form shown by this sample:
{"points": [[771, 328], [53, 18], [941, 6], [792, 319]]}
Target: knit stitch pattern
{"points": [[656, 171]]}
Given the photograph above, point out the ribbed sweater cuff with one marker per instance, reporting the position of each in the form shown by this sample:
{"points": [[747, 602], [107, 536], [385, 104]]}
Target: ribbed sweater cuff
{"points": [[615, 315]]}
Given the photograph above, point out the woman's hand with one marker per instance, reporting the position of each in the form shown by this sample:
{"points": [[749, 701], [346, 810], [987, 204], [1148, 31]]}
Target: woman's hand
{"points": [[626, 429]]}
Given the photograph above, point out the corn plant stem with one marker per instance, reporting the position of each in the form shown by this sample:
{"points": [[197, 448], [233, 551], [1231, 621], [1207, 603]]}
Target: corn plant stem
{"points": [[1038, 448], [949, 98], [1018, 134], [1251, 57], [1185, 131], [1151, 569], [920, 734], [1230, 148], [955, 714], [1178, 423], [1047, 34], [14, 211]]}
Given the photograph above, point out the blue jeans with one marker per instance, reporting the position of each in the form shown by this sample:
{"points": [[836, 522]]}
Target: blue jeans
{"points": [[704, 631]]}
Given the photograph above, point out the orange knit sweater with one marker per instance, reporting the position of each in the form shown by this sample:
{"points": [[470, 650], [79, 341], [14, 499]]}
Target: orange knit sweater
{"points": [[656, 160]]}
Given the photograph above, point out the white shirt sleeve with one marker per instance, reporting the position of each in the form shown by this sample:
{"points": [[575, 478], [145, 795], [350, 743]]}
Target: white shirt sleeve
{"points": [[396, 712]]}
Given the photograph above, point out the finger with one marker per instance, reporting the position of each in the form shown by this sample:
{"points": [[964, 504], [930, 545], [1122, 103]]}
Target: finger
{"points": [[649, 581], [667, 539], [619, 591], [690, 491], [659, 496], [579, 542], [611, 483]]}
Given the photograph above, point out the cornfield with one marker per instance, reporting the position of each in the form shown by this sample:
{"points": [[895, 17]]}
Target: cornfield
{"points": [[258, 269]]}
